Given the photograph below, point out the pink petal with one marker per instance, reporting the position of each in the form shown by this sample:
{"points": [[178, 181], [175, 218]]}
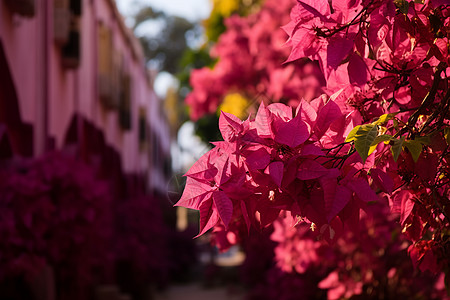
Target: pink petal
{"points": [[292, 133], [194, 194], [342, 197], [281, 110], [310, 169], [338, 49], [245, 215], [382, 180], [307, 112], [357, 70], [262, 122], [224, 206], [316, 6], [258, 157], [229, 125], [404, 204], [311, 149], [275, 170], [208, 216], [329, 186], [327, 115], [363, 190]]}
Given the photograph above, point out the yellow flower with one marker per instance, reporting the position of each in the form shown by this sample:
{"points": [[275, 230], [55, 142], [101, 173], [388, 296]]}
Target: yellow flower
{"points": [[226, 7], [236, 104]]}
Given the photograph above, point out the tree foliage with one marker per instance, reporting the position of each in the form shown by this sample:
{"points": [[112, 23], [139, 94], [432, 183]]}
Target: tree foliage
{"points": [[166, 48]]}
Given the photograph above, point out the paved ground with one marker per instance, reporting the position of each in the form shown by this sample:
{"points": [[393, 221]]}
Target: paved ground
{"points": [[197, 292]]}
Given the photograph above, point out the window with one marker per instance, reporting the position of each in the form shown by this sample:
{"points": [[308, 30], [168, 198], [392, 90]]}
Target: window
{"points": [[125, 103], [76, 7], [71, 53], [24, 8], [66, 29], [61, 21], [142, 127], [105, 67]]}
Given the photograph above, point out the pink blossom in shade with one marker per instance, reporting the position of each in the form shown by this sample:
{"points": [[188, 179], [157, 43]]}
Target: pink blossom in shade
{"points": [[299, 251], [422, 256], [55, 211], [357, 71], [143, 238], [364, 262], [338, 289], [382, 180]]}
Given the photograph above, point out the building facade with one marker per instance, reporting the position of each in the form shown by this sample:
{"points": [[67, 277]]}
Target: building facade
{"points": [[73, 76]]}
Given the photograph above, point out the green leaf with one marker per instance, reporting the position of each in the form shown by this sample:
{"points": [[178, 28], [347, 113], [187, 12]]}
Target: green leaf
{"points": [[396, 124], [351, 135], [382, 138], [396, 147], [402, 5], [447, 135], [415, 148], [384, 118], [379, 139], [382, 129], [425, 140], [364, 138]]}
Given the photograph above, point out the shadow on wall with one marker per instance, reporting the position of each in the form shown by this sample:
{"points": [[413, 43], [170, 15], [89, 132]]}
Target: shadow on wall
{"points": [[15, 136]]}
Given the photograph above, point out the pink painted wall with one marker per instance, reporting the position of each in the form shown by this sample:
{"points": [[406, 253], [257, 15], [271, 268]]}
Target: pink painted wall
{"points": [[35, 62]]}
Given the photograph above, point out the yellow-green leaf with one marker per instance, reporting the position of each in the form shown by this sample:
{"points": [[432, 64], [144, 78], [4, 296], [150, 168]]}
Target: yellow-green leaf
{"points": [[447, 135], [384, 118], [395, 124], [382, 129], [364, 138], [351, 135], [396, 147], [415, 148], [379, 139], [425, 140], [402, 5]]}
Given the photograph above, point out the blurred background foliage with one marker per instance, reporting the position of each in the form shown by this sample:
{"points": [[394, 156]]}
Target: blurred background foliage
{"points": [[182, 46], [164, 50], [214, 25]]}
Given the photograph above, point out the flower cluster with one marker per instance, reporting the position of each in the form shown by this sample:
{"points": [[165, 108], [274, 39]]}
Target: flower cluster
{"points": [[387, 50], [56, 212], [250, 60], [370, 262], [394, 54], [276, 162], [141, 240]]}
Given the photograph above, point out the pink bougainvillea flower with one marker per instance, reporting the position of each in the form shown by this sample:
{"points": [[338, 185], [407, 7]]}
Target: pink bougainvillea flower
{"points": [[266, 165]]}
